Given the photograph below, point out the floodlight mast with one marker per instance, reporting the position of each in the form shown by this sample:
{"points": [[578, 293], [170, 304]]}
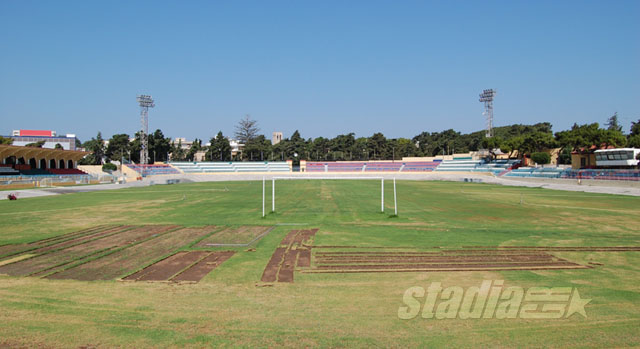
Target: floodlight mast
{"points": [[487, 98], [145, 103]]}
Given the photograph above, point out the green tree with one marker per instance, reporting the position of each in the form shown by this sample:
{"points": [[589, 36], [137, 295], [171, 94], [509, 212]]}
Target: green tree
{"points": [[246, 129], [378, 146], [493, 144], [613, 124], [108, 167], [177, 152], [58, 146], [541, 158], [159, 146], [119, 147], [196, 146], [319, 148], [634, 141], [219, 150], [6, 140], [635, 128], [97, 151], [38, 144], [537, 142]]}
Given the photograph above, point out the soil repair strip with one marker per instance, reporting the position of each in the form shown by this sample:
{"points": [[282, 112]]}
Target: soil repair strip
{"points": [[168, 267], [293, 251], [199, 270], [467, 259], [134, 256]]}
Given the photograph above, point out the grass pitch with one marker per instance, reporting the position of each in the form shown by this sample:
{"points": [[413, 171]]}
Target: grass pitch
{"points": [[230, 307]]}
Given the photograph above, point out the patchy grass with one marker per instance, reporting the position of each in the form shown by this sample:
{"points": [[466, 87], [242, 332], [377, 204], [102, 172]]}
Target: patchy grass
{"points": [[360, 310]]}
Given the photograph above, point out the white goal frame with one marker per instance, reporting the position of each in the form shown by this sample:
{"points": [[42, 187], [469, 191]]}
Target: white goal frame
{"points": [[273, 190]]}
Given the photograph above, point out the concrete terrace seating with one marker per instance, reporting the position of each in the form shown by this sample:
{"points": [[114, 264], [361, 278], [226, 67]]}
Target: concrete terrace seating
{"points": [[420, 166], [458, 165], [361, 166], [383, 167], [220, 167], [317, 167], [496, 167], [532, 172], [155, 169], [67, 171], [345, 166], [35, 172], [8, 171]]}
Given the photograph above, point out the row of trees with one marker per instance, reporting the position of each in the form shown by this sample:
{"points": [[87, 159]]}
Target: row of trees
{"points": [[121, 147], [515, 139]]}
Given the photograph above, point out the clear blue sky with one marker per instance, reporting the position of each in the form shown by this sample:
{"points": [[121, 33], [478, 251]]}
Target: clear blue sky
{"points": [[323, 67]]}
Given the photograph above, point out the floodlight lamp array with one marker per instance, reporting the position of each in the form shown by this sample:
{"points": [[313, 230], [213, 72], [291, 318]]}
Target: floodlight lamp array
{"points": [[146, 101]]}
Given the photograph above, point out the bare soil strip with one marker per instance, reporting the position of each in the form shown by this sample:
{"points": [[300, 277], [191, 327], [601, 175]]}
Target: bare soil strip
{"points": [[285, 274], [79, 251], [289, 238], [304, 258], [271, 270], [13, 249], [83, 238], [294, 250], [199, 270], [448, 259], [315, 271], [134, 257], [168, 267], [445, 266]]}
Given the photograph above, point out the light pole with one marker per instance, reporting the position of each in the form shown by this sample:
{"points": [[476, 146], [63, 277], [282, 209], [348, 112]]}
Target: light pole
{"points": [[487, 98], [145, 102]]}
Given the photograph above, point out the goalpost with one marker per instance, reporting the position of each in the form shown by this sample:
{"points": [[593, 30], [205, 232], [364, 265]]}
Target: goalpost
{"points": [[273, 190]]}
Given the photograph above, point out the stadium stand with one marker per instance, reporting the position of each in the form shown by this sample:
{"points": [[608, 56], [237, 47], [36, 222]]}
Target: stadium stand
{"points": [[424, 166], [154, 169], [497, 167], [67, 171], [359, 166], [221, 167], [35, 172], [532, 172], [616, 175], [8, 171], [458, 165], [383, 167]]}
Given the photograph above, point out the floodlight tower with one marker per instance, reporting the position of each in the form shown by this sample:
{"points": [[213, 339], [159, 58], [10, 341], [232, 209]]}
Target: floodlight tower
{"points": [[487, 97], [145, 102]]}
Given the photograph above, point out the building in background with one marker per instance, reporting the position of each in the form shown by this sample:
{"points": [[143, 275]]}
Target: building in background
{"points": [[276, 138], [236, 147], [50, 138], [183, 142]]}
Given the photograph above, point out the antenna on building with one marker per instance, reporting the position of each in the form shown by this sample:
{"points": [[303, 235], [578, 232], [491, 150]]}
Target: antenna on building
{"points": [[145, 102], [487, 97]]}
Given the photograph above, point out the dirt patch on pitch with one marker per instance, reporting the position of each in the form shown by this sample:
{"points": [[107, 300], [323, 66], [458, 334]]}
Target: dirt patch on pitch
{"points": [[185, 266], [472, 258], [294, 251], [132, 258], [109, 252]]}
